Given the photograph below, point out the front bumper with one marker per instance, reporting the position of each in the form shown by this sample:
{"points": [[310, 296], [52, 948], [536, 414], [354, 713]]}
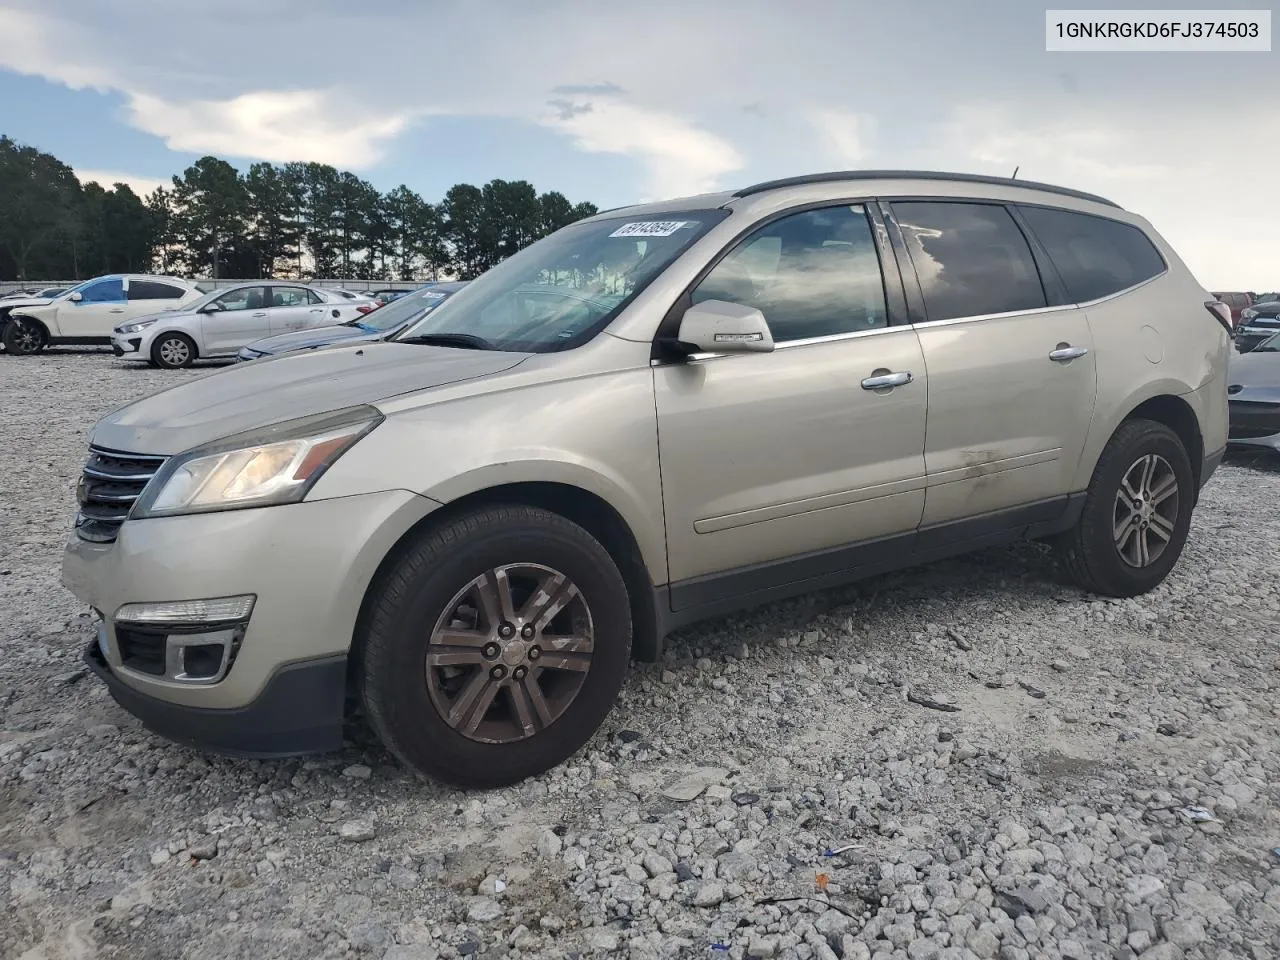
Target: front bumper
{"points": [[127, 346], [309, 565], [300, 710], [1254, 423]]}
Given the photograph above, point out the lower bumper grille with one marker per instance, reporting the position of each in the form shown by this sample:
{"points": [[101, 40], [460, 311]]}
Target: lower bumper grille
{"points": [[112, 481]]}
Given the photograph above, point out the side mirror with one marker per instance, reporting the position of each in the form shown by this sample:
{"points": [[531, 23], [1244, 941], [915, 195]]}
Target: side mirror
{"points": [[75, 297], [213, 307], [717, 326]]}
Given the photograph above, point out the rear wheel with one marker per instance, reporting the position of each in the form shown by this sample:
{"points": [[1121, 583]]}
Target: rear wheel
{"points": [[22, 338], [1137, 513], [495, 647], [173, 350]]}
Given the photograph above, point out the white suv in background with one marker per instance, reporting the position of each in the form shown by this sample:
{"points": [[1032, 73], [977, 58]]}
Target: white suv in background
{"points": [[86, 314], [221, 322]]}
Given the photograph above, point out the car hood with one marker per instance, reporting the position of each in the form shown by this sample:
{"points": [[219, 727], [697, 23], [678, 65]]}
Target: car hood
{"points": [[25, 302], [160, 315], [275, 389], [314, 337], [1269, 308], [1254, 370]]}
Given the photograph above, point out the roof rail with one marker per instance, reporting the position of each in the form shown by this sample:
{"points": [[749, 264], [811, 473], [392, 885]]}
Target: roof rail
{"points": [[918, 175]]}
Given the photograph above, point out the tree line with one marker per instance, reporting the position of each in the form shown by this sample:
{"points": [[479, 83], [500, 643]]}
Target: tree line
{"points": [[292, 220]]}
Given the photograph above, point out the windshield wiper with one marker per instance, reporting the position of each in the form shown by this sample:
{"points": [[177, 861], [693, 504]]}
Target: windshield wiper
{"points": [[466, 341]]}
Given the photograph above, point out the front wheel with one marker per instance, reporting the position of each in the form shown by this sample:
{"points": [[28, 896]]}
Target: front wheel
{"points": [[495, 647], [1137, 513], [21, 339], [173, 351]]}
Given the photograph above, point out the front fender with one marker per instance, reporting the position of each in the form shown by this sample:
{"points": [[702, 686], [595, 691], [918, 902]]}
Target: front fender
{"points": [[596, 433]]}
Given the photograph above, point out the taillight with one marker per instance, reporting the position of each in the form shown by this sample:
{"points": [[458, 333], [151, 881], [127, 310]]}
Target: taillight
{"points": [[1221, 313], [365, 308]]}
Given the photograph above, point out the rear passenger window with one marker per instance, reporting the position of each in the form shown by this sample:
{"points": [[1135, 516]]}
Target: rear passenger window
{"points": [[971, 258], [151, 290], [1095, 256], [812, 274]]}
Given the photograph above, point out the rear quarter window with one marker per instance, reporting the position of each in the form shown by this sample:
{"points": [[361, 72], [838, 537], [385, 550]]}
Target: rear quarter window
{"points": [[151, 290], [1096, 257]]}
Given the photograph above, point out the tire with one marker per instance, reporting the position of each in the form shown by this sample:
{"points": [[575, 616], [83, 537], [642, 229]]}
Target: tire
{"points": [[1101, 559], [22, 338], [440, 583], [173, 351]]}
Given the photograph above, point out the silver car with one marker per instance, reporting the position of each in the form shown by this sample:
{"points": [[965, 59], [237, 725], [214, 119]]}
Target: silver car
{"points": [[657, 415], [1253, 396]]}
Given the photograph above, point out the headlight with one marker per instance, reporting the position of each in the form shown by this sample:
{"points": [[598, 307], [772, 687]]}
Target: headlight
{"points": [[277, 464], [1248, 313], [136, 327]]}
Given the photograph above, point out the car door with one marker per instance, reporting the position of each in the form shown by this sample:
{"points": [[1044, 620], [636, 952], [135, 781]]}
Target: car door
{"points": [[291, 308], [102, 305], [238, 317], [785, 456], [1012, 379]]}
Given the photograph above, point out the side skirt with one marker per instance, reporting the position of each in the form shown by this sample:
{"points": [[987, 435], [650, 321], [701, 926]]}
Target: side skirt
{"points": [[702, 598]]}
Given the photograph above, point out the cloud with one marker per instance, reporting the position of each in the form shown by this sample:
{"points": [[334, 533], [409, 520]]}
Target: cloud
{"points": [[276, 125], [588, 89], [843, 133], [108, 179], [680, 159], [1157, 163]]}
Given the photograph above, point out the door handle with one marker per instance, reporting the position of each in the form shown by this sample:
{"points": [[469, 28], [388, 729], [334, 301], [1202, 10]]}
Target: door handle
{"points": [[317, 309], [263, 314], [1065, 353], [882, 380], [117, 310]]}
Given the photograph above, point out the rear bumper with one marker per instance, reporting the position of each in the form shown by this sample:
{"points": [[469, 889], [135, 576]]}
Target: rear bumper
{"points": [[299, 711]]}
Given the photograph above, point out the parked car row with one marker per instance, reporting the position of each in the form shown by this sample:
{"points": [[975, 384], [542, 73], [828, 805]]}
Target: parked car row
{"points": [[169, 322]]}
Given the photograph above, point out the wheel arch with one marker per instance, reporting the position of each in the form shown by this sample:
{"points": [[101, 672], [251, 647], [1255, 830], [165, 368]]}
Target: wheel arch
{"points": [[1169, 402], [159, 335], [14, 314], [587, 509]]}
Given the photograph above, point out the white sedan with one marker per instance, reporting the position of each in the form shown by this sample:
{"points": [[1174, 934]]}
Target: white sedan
{"points": [[218, 324]]}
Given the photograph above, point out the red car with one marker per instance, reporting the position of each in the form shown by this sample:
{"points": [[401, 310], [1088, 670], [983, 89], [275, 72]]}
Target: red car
{"points": [[1237, 302]]}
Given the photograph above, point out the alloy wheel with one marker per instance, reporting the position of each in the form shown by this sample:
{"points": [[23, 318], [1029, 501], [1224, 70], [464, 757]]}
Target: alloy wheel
{"points": [[510, 653], [1146, 510]]}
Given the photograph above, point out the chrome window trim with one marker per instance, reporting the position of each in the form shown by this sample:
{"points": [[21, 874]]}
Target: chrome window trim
{"points": [[1082, 305], [889, 328]]}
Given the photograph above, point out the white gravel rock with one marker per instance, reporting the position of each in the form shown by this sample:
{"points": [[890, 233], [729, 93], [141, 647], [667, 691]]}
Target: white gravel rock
{"points": [[766, 750]]}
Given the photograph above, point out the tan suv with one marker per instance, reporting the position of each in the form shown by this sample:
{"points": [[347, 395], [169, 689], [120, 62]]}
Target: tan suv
{"points": [[659, 414]]}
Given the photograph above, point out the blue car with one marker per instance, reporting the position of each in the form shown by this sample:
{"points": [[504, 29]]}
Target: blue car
{"points": [[375, 325]]}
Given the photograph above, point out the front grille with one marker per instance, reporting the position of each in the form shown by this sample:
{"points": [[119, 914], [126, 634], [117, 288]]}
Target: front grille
{"points": [[1251, 419], [112, 481]]}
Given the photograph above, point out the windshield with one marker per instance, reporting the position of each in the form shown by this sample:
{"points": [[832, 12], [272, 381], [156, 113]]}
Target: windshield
{"points": [[562, 290], [411, 306]]}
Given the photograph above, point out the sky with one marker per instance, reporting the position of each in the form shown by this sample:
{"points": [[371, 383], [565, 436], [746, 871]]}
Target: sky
{"points": [[620, 102]]}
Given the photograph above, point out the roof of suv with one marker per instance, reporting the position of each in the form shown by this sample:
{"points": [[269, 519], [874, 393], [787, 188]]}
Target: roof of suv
{"points": [[723, 198]]}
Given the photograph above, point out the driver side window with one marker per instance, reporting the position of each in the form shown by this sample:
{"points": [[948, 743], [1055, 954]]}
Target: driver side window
{"points": [[110, 290], [246, 298], [812, 274]]}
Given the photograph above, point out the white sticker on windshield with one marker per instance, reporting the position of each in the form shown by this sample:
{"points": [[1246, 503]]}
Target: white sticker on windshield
{"points": [[649, 228]]}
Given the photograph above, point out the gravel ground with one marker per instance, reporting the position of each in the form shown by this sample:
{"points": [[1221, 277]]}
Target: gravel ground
{"points": [[1102, 786]]}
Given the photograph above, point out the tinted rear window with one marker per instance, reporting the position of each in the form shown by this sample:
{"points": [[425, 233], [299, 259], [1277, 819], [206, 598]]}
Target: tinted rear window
{"points": [[1095, 256], [151, 290]]}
